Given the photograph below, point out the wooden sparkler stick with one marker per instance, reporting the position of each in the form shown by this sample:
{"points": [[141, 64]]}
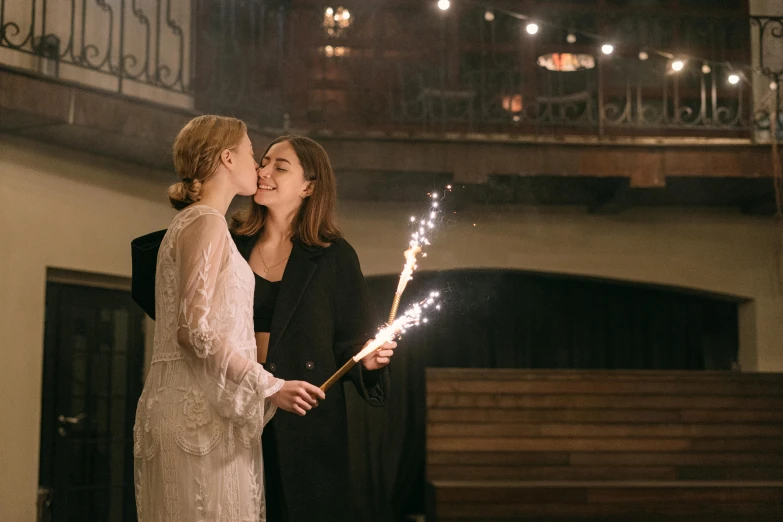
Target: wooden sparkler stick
{"points": [[338, 374], [373, 346]]}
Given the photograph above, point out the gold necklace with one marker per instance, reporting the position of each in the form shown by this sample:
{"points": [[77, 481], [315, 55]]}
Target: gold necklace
{"points": [[266, 267]]}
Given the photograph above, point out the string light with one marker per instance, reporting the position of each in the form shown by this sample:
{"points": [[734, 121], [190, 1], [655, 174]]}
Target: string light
{"points": [[773, 86], [607, 48]]}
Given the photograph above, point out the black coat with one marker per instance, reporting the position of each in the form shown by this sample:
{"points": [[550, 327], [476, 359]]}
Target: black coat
{"points": [[322, 317]]}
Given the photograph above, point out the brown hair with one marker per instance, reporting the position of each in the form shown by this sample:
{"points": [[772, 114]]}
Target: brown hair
{"points": [[197, 152], [314, 224]]}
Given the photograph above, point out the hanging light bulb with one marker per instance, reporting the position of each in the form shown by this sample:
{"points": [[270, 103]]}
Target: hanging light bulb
{"points": [[489, 16], [706, 69], [531, 28], [773, 86], [643, 55], [734, 79], [571, 38], [607, 48], [677, 65], [443, 5]]}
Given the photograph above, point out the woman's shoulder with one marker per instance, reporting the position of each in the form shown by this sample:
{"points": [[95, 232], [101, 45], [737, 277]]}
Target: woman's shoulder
{"points": [[339, 249], [203, 215]]}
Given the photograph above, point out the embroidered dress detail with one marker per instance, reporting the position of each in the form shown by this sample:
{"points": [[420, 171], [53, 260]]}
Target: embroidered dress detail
{"points": [[204, 389]]}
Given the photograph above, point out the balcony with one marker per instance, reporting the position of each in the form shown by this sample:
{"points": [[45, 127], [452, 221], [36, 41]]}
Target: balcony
{"points": [[400, 79], [406, 67]]}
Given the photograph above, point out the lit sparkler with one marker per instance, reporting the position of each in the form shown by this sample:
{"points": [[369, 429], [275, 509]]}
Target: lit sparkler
{"points": [[419, 240], [413, 316]]}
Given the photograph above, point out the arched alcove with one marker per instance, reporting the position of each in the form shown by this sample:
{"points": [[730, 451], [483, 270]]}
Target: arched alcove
{"points": [[495, 318]]}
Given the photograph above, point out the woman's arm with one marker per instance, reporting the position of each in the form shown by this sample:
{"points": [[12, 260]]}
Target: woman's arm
{"points": [[235, 386]]}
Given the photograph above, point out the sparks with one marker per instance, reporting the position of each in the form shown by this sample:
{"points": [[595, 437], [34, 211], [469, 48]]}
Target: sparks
{"points": [[413, 316], [415, 246]]}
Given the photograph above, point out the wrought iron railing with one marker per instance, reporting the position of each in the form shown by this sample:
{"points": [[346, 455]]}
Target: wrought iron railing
{"points": [[125, 41], [405, 66], [470, 74]]}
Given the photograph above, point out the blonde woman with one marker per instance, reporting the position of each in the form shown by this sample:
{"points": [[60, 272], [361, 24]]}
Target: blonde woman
{"points": [[197, 451]]}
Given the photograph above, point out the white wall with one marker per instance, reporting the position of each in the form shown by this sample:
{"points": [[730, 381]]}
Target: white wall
{"points": [[70, 210]]}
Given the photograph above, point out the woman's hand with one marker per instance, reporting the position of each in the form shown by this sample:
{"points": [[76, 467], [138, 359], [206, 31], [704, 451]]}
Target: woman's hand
{"points": [[380, 357], [297, 397]]}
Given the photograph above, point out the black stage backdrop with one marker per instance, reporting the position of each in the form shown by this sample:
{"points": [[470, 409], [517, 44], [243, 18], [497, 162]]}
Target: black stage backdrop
{"points": [[512, 319]]}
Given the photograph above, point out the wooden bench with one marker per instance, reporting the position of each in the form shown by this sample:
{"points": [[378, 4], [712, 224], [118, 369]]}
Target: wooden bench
{"points": [[604, 445]]}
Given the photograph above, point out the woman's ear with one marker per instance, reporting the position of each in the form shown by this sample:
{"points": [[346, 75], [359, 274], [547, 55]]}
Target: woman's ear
{"points": [[308, 191], [227, 159]]}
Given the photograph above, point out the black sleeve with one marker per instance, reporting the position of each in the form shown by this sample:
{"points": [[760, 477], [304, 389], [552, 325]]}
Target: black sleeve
{"points": [[144, 264], [355, 324]]}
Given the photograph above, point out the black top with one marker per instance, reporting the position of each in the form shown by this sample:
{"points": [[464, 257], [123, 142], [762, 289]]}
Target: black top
{"points": [[264, 300]]}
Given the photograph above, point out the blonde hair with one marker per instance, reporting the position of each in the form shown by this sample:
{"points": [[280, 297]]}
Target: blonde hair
{"points": [[197, 151], [314, 224]]}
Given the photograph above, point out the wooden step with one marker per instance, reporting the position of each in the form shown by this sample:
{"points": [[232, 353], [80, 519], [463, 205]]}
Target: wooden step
{"points": [[605, 445], [515, 374], [604, 416], [609, 500], [604, 402], [599, 473], [607, 387], [507, 458], [585, 430]]}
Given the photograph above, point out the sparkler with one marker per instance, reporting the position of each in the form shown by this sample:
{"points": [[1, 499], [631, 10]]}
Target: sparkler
{"points": [[413, 316], [416, 246]]}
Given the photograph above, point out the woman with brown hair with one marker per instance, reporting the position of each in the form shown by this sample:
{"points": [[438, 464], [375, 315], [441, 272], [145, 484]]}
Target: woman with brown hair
{"points": [[197, 454], [312, 312]]}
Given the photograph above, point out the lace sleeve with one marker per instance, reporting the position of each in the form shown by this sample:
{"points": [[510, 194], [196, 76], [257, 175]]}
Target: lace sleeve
{"points": [[235, 386]]}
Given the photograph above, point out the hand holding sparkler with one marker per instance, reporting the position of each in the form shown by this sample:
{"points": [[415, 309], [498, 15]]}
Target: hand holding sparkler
{"points": [[380, 357], [413, 316]]}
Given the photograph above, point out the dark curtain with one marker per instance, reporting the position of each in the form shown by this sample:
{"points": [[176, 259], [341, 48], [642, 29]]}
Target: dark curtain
{"points": [[511, 319]]}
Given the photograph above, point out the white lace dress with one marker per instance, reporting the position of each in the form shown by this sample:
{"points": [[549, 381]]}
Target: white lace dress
{"points": [[197, 437]]}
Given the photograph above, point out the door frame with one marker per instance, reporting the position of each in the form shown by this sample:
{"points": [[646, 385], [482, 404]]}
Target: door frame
{"points": [[50, 385]]}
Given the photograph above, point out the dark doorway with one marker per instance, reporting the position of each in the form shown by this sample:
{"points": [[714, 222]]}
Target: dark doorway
{"points": [[93, 361]]}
